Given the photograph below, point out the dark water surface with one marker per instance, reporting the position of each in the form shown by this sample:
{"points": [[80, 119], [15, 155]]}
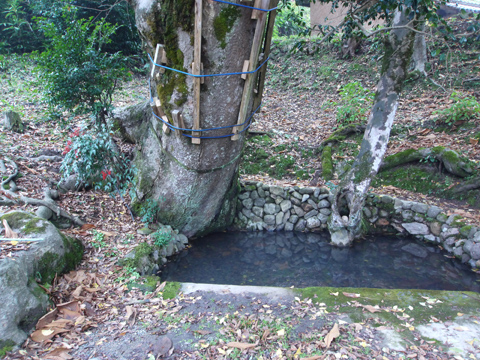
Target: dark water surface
{"points": [[301, 260]]}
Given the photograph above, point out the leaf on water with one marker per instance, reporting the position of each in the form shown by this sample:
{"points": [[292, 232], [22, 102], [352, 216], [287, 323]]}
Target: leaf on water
{"points": [[351, 295], [241, 346], [9, 233], [334, 333]]}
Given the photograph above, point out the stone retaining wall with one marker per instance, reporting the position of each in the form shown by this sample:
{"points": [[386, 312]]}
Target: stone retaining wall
{"points": [[274, 208]]}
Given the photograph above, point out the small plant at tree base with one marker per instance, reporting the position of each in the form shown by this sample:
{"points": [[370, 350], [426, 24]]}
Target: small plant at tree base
{"points": [[93, 157], [161, 237], [77, 73], [149, 211], [355, 102], [464, 108]]}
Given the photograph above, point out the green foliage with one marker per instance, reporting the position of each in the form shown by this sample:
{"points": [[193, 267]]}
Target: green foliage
{"points": [[98, 240], [149, 211], [77, 73], [464, 108], [161, 237], [17, 22], [16, 31], [93, 157], [292, 20], [354, 103]]}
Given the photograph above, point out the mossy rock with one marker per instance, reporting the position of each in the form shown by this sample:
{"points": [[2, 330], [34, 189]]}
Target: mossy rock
{"points": [[23, 300], [145, 284]]}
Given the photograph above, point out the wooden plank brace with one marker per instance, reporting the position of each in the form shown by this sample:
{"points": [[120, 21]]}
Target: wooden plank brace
{"points": [[197, 60], [161, 54], [251, 78], [160, 113]]}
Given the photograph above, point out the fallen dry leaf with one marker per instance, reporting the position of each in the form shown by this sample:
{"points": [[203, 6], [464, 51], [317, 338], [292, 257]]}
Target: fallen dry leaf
{"points": [[371, 308], [46, 319], [9, 233], [239, 345], [59, 353], [334, 333], [131, 315], [351, 295]]}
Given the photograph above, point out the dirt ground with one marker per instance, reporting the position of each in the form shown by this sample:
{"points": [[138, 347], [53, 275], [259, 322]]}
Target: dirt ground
{"points": [[113, 322]]}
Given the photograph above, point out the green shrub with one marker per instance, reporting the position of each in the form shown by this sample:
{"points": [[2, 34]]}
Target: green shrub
{"points": [[161, 237], [292, 20], [463, 108], [77, 73], [355, 102], [93, 157], [149, 211]]}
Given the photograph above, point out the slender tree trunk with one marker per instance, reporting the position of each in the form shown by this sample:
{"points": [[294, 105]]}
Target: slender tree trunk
{"points": [[419, 56], [349, 197], [194, 185]]}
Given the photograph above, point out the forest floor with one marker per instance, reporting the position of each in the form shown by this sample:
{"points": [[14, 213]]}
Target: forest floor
{"points": [[299, 112]]}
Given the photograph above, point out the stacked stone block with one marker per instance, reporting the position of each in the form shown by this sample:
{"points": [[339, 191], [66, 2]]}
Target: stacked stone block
{"points": [[275, 208]]}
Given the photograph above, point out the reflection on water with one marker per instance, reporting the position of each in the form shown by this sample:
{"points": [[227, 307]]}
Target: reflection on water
{"points": [[306, 259]]}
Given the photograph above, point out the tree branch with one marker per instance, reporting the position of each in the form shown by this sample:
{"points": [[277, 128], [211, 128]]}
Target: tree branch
{"points": [[10, 196]]}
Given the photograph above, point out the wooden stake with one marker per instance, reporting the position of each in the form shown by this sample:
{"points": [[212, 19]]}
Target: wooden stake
{"points": [[176, 122], [197, 60], [256, 13], [155, 59], [245, 69], [251, 78], [159, 112], [202, 79], [266, 50]]}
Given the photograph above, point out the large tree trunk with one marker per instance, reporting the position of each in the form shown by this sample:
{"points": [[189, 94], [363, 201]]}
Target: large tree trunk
{"points": [[195, 184], [349, 196]]}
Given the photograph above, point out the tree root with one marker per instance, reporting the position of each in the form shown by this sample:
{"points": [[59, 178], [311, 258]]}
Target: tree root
{"points": [[449, 158], [52, 158], [341, 134], [10, 197], [471, 184]]}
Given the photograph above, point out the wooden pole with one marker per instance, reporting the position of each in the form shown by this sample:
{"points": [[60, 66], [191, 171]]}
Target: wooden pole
{"points": [[197, 60], [254, 54], [266, 50]]}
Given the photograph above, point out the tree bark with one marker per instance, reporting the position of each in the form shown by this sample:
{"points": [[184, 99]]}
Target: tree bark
{"points": [[419, 56], [194, 185], [349, 196]]}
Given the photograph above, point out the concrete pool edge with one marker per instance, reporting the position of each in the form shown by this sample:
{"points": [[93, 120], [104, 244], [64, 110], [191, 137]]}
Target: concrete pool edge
{"points": [[449, 318]]}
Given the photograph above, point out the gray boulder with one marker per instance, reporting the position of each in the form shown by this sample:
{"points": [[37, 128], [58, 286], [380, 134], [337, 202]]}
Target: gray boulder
{"points": [[23, 301], [11, 121]]}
